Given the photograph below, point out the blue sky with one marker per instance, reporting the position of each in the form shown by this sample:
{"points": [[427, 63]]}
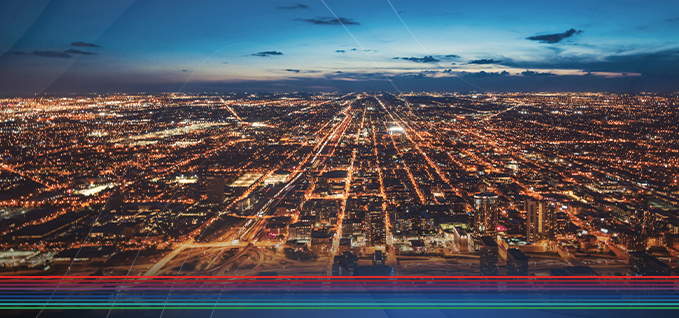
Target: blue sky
{"points": [[145, 45]]}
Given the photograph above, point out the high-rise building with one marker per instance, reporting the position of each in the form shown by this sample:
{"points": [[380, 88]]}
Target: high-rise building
{"points": [[377, 232], [215, 189], [489, 256], [485, 216], [517, 263], [642, 221], [532, 234], [540, 220]]}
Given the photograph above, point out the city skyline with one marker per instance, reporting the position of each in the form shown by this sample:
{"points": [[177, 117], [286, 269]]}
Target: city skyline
{"points": [[166, 158], [146, 46], [340, 184]]}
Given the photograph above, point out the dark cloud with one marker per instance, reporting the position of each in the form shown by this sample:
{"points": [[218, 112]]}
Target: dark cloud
{"points": [[354, 49], [661, 63], [267, 53], [84, 44], [296, 6], [486, 74], [554, 38], [484, 61], [452, 56], [17, 53], [453, 64], [671, 20], [422, 74], [448, 71], [225, 62], [51, 54], [72, 51], [291, 70], [340, 51], [533, 73], [426, 59], [184, 71], [329, 21]]}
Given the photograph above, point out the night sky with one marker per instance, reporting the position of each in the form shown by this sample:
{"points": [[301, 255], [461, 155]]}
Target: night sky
{"points": [[368, 45]]}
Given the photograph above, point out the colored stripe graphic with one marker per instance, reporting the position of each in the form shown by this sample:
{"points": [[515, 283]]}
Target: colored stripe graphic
{"points": [[329, 292]]}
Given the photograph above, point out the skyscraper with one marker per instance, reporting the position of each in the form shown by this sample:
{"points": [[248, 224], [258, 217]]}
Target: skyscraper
{"points": [[215, 189], [540, 220], [377, 232], [485, 217], [489, 255]]}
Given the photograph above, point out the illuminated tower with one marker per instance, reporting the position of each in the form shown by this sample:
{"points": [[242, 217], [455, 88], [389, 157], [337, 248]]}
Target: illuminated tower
{"points": [[540, 220], [532, 234], [485, 217]]}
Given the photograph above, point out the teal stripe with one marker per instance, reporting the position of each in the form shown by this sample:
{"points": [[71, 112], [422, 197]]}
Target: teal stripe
{"points": [[349, 304]]}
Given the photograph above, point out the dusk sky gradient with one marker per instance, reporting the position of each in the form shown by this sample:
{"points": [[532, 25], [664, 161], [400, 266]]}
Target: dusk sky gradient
{"points": [[163, 46]]}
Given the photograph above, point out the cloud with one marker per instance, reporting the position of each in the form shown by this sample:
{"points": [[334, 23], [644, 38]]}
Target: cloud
{"points": [[184, 71], [84, 44], [72, 51], [660, 63], [296, 6], [329, 21], [554, 38], [421, 74], [448, 71], [51, 54], [452, 56], [340, 51], [354, 49], [486, 74], [267, 53], [291, 70], [426, 59], [225, 62], [671, 20], [17, 53], [533, 73], [484, 61]]}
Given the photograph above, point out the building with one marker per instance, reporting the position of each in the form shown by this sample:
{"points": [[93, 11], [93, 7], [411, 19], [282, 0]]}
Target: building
{"points": [[489, 256], [280, 176], [485, 216], [321, 241], [300, 231], [540, 220], [377, 231], [644, 264], [345, 264], [215, 189], [378, 258], [517, 263]]}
